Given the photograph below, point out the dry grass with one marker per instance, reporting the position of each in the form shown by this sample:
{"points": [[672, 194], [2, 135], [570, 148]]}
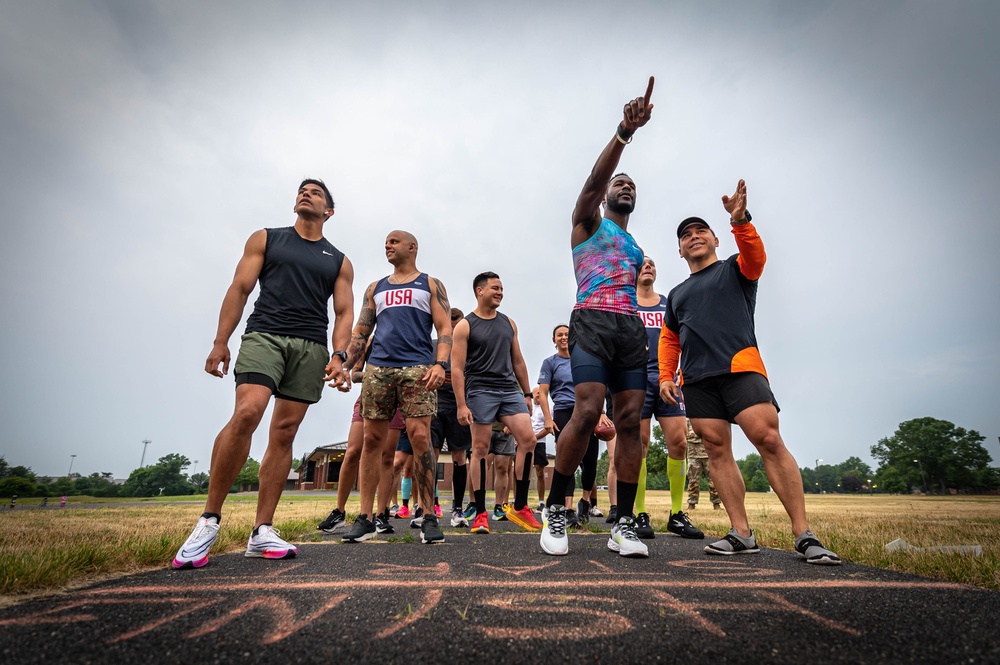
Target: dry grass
{"points": [[56, 548]]}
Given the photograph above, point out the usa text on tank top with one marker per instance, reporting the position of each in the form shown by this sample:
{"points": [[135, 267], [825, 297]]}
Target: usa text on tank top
{"points": [[403, 324], [652, 318]]}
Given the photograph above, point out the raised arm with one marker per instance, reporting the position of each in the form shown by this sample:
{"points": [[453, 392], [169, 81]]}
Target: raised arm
{"points": [[343, 319], [587, 213], [752, 256], [244, 281]]}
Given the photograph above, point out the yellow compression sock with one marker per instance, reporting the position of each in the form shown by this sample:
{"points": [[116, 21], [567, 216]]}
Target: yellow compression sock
{"points": [[640, 493], [675, 474]]}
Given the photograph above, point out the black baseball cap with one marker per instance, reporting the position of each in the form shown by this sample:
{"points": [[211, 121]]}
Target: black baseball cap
{"points": [[692, 221]]}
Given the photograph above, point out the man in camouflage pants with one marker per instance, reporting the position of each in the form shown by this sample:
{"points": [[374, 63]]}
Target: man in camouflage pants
{"points": [[698, 465]]}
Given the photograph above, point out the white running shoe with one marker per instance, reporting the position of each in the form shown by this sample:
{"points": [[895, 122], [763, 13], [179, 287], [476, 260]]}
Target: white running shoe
{"points": [[596, 512], [624, 541], [194, 552], [458, 520], [268, 544], [554, 540]]}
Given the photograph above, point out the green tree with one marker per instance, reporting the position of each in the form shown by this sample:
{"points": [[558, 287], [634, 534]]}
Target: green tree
{"points": [[936, 452], [248, 475], [889, 480], [164, 477], [18, 485], [22, 472], [4, 467], [758, 482]]}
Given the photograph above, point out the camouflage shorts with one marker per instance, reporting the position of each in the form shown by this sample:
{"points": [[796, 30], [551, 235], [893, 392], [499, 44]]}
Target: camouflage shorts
{"points": [[387, 388]]}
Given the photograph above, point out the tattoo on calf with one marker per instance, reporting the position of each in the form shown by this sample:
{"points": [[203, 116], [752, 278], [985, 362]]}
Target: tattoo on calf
{"points": [[424, 477]]}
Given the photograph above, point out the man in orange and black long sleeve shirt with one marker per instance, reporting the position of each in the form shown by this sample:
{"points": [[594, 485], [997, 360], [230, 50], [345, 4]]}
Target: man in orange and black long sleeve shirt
{"points": [[709, 327]]}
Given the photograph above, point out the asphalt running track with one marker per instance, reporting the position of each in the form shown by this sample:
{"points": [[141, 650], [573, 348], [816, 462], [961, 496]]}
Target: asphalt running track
{"points": [[497, 599]]}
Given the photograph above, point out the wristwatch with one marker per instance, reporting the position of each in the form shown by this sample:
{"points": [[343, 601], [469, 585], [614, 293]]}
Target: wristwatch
{"points": [[443, 364], [342, 355]]}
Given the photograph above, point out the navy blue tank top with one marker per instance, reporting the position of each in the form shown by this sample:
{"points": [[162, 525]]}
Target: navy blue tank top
{"points": [[652, 318], [403, 324]]}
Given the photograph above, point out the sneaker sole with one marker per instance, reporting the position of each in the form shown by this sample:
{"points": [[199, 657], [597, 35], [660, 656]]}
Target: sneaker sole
{"points": [[646, 535], [614, 547], [699, 536], [358, 539], [332, 529], [431, 541], [181, 565], [270, 554], [823, 560], [562, 552], [524, 524], [710, 550]]}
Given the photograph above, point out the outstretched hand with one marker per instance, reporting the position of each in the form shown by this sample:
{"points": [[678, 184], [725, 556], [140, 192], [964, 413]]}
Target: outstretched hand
{"points": [[736, 205], [638, 111]]}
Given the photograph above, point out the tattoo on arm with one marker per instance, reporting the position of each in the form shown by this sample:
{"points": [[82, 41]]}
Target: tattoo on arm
{"points": [[442, 296], [445, 340]]}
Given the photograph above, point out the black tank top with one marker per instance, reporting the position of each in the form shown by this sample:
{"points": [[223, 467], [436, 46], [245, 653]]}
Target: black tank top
{"points": [[488, 364], [296, 283]]}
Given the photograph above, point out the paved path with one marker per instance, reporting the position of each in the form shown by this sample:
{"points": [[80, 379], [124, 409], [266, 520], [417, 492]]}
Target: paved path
{"points": [[498, 599]]}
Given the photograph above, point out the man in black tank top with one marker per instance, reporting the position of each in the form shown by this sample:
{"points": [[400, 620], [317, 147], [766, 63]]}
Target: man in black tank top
{"points": [[490, 379], [284, 354]]}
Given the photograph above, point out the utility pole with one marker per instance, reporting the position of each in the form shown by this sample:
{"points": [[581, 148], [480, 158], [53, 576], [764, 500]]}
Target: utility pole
{"points": [[70, 472], [142, 462]]}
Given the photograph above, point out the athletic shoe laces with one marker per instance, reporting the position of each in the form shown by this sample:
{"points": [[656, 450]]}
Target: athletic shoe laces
{"points": [[557, 522]]}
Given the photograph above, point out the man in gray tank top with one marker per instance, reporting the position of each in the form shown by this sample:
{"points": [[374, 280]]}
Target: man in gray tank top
{"points": [[491, 383], [283, 354]]}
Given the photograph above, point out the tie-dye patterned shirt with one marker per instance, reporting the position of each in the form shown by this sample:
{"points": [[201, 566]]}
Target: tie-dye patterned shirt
{"points": [[607, 266]]}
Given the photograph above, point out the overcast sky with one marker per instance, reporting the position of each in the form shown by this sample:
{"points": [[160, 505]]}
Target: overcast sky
{"points": [[143, 142]]}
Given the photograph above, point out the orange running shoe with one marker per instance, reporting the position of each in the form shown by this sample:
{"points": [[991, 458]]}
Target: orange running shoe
{"points": [[524, 518], [481, 524], [403, 513]]}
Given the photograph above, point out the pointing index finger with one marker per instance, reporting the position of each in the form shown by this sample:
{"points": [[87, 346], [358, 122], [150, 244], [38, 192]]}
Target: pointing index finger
{"points": [[649, 91]]}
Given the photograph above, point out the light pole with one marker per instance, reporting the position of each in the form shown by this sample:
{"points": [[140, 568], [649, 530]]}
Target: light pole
{"points": [[195, 469], [819, 488], [922, 476], [70, 472], [142, 462]]}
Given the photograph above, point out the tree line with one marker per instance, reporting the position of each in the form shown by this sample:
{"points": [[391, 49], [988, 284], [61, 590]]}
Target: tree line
{"points": [[167, 477], [925, 455]]}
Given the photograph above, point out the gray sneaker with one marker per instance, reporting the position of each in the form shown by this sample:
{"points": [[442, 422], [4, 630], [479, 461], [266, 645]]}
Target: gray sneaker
{"points": [[734, 543], [554, 540], [624, 541], [360, 531], [809, 548]]}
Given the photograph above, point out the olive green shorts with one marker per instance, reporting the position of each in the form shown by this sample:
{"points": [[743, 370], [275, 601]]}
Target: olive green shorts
{"points": [[292, 367], [387, 388]]}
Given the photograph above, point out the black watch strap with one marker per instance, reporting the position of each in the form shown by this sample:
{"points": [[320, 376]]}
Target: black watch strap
{"points": [[342, 355], [443, 364]]}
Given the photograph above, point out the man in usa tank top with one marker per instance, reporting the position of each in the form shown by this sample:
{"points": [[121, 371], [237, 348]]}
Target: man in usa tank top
{"points": [[406, 310]]}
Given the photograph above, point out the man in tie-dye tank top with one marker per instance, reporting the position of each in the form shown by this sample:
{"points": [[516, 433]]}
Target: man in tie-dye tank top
{"points": [[607, 340]]}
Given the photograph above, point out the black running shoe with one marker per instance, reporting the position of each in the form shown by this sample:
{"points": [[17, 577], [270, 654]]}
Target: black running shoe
{"points": [[643, 529], [361, 530], [583, 511], [681, 525], [429, 531], [572, 521], [382, 525], [334, 521], [612, 515]]}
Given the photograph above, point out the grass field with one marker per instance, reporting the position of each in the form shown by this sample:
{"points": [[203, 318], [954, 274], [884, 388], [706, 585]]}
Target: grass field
{"points": [[52, 549]]}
